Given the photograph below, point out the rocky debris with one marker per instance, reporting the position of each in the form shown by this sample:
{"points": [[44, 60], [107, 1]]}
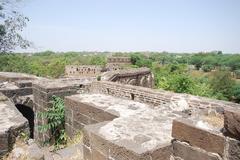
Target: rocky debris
{"points": [[232, 149], [73, 152], [25, 151], [31, 151], [231, 122]]}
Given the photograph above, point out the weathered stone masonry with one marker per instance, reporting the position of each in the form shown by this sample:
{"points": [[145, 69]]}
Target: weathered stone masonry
{"points": [[190, 141], [137, 77], [12, 124], [122, 122], [156, 97], [43, 92]]}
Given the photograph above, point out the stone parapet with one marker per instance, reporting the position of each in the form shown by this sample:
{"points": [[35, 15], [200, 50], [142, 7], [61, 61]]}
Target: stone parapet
{"points": [[158, 97], [78, 114], [137, 77], [198, 141], [186, 131], [97, 147]]}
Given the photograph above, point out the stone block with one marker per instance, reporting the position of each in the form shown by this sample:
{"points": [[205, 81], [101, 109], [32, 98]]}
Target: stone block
{"points": [[87, 154], [187, 152], [232, 149], [232, 122], [184, 130], [3, 143], [96, 155], [121, 153], [86, 137], [100, 144], [162, 153], [77, 125], [81, 118]]}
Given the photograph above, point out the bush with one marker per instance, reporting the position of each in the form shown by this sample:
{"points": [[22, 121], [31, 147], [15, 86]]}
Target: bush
{"points": [[237, 74], [236, 93], [98, 78], [222, 83], [181, 83], [202, 87], [56, 122], [207, 68]]}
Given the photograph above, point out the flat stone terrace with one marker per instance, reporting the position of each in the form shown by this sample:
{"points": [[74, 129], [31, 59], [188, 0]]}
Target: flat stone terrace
{"points": [[139, 130], [11, 123]]}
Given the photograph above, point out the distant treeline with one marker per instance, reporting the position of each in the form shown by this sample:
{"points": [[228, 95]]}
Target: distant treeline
{"points": [[205, 74]]}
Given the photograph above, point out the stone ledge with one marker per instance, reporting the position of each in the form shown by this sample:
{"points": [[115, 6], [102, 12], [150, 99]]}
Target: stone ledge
{"points": [[120, 150], [188, 152], [184, 130]]}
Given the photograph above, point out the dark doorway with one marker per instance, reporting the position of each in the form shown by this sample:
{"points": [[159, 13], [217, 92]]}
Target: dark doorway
{"points": [[28, 113], [132, 96]]}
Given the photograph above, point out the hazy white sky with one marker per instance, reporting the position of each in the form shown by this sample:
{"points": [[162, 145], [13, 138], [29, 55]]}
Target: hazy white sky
{"points": [[133, 25]]}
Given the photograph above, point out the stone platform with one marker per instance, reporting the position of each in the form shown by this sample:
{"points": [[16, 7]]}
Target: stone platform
{"points": [[119, 128]]}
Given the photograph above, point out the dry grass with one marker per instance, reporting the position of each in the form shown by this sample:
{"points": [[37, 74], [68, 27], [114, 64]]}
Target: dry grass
{"points": [[76, 139], [215, 120]]}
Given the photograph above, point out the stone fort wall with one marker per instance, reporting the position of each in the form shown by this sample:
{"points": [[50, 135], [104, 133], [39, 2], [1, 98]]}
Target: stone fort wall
{"points": [[137, 77], [156, 97], [123, 60], [82, 70]]}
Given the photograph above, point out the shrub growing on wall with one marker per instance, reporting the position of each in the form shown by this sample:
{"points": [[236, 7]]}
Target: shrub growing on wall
{"points": [[55, 117]]}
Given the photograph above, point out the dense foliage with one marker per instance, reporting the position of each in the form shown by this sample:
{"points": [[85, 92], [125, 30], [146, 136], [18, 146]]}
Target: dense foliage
{"points": [[205, 74], [46, 64]]}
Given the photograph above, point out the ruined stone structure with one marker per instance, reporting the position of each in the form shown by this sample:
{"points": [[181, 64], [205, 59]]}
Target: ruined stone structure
{"points": [[122, 121], [117, 63], [42, 95], [82, 70], [136, 77], [119, 60], [119, 128]]}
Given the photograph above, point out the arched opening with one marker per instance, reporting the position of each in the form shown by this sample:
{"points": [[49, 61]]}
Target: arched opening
{"points": [[28, 113]]}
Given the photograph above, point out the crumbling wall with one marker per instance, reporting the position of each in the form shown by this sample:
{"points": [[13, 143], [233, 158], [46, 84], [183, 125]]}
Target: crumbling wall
{"points": [[157, 97], [117, 60], [42, 96], [79, 114], [82, 70], [196, 142], [43, 90], [137, 77]]}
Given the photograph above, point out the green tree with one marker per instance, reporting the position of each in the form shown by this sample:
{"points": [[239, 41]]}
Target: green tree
{"points": [[11, 24], [236, 93], [222, 83]]}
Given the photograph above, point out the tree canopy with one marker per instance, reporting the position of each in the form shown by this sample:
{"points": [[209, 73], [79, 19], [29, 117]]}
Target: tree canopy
{"points": [[11, 25]]}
